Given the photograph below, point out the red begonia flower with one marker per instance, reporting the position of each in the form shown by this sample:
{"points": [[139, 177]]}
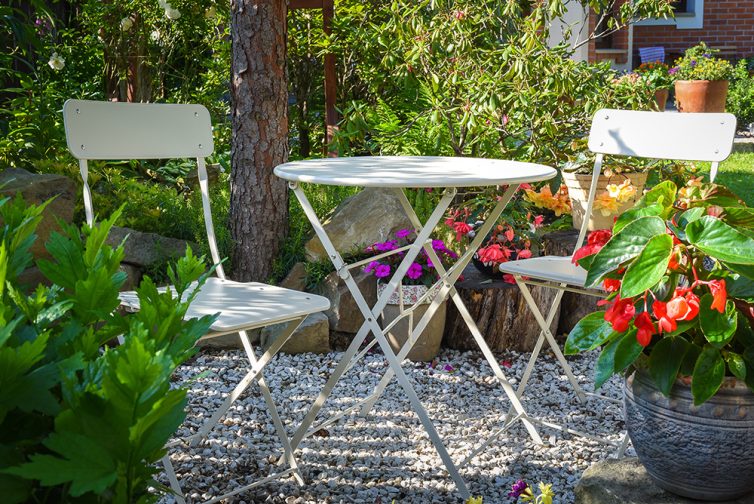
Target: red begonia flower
{"points": [[645, 328], [461, 229], [611, 285], [719, 295], [594, 243], [620, 314], [524, 254], [664, 322]]}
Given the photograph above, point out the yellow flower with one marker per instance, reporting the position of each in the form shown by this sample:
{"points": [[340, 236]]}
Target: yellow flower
{"points": [[606, 204], [623, 192], [559, 203], [474, 500]]}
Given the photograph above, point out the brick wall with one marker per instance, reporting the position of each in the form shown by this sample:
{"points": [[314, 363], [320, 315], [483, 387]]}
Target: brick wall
{"points": [[727, 23]]}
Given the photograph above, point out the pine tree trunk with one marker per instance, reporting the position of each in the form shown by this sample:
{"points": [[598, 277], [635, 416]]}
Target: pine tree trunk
{"points": [[259, 200]]}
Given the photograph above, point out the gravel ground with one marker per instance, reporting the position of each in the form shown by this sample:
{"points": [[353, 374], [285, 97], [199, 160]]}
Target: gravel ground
{"points": [[387, 456]]}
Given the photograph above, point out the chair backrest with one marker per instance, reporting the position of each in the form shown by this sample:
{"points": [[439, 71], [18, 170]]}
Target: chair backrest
{"points": [[657, 135], [652, 54], [119, 131]]}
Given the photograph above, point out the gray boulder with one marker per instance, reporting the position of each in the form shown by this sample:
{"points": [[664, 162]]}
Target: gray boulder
{"points": [[313, 335], [626, 481], [370, 216], [146, 249], [344, 314]]}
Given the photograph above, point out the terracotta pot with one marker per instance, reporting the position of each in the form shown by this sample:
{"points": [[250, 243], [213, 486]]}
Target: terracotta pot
{"points": [[661, 99], [701, 95], [427, 345], [578, 191], [703, 452]]}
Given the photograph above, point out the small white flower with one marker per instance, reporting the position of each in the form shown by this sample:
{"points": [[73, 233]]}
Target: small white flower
{"points": [[126, 24], [172, 13], [155, 36], [56, 61]]}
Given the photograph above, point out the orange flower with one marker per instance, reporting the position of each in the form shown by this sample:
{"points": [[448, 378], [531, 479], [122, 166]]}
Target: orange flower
{"points": [[719, 295]]}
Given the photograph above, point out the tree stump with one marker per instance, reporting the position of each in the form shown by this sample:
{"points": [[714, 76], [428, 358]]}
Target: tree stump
{"points": [[500, 312], [574, 306]]}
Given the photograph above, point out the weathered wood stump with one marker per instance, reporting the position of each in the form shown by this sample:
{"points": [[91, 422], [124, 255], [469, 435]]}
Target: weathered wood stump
{"points": [[574, 306], [500, 312]]}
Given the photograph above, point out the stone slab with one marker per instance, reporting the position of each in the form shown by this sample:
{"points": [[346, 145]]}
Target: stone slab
{"points": [[147, 249], [313, 335], [625, 481]]}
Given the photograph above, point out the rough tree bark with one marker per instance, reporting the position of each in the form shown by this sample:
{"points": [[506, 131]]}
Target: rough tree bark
{"points": [[258, 200]]}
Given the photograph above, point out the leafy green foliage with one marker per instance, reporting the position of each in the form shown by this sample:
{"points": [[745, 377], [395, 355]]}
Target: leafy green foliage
{"points": [[740, 101], [79, 418]]}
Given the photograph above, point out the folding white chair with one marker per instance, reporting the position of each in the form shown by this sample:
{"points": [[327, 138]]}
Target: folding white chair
{"points": [[652, 135], [109, 131]]}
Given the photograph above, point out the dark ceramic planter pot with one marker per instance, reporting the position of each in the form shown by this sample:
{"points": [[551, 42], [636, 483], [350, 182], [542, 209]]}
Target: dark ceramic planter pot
{"points": [[701, 95], [702, 452]]}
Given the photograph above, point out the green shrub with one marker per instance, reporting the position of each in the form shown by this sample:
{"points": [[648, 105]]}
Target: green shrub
{"points": [[81, 420], [741, 95]]}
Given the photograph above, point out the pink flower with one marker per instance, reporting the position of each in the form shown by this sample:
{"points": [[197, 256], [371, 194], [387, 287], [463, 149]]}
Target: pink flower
{"points": [[382, 270], [524, 254], [461, 229], [508, 278], [403, 233], [414, 271], [538, 220]]}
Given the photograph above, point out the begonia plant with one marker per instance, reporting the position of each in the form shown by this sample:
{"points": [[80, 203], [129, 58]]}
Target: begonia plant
{"points": [[679, 272]]}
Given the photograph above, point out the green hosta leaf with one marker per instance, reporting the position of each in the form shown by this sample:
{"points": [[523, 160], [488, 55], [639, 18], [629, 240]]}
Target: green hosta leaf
{"points": [[736, 365], [624, 246], [632, 214], [649, 267], [717, 327], [86, 465], [665, 362], [627, 352], [716, 238], [708, 375], [591, 331]]}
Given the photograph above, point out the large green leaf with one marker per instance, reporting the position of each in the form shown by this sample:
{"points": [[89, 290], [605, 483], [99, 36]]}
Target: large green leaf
{"points": [[590, 332], [86, 465], [624, 246], [649, 267], [605, 367], [716, 238], [632, 214], [739, 216], [708, 376], [717, 327], [663, 194], [736, 365], [627, 352], [665, 362]]}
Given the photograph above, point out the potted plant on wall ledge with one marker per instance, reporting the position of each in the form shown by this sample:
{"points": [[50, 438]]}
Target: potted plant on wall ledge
{"points": [[679, 268], [701, 80]]}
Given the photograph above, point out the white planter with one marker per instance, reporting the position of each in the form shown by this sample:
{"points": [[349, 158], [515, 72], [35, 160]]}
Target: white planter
{"points": [[578, 191], [427, 345]]}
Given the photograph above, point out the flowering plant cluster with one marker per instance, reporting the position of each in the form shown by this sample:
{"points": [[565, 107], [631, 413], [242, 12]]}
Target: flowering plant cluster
{"points": [[656, 73], [679, 272], [699, 63], [559, 203], [510, 239], [421, 272], [521, 490]]}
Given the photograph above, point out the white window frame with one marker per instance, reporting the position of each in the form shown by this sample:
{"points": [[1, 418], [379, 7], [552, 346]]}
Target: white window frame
{"points": [[693, 20]]}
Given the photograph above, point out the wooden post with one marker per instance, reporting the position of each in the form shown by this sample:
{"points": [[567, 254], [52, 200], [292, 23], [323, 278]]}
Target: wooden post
{"points": [[331, 113]]}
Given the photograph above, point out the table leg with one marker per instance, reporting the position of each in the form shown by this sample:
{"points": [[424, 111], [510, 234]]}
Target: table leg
{"points": [[370, 324], [448, 279]]}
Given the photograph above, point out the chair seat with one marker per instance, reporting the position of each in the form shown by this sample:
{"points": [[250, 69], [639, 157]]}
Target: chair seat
{"points": [[244, 305], [549, 268]]}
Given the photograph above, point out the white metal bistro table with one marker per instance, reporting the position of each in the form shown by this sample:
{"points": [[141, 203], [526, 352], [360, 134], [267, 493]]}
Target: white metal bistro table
{"points": [[397, 173]]}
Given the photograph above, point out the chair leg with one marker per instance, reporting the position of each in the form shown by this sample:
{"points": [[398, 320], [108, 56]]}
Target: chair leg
{"points": [[251, 376], [174, 484], [279, 428], [551, 339]]}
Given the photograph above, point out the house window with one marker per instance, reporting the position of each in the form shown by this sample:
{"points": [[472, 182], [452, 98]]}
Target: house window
{"points": [[689, 15], [682, 6]]}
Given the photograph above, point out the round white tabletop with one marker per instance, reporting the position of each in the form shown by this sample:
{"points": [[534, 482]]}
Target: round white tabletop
{"points": [[413, 171]]}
